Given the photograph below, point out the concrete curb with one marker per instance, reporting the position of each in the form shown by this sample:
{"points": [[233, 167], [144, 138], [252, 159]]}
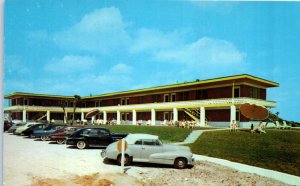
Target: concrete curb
{"points": [[283, 177]]}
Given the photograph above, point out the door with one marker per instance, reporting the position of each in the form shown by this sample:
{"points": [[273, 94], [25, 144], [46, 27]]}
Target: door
{"points": [[150, 147], [104, 138]]}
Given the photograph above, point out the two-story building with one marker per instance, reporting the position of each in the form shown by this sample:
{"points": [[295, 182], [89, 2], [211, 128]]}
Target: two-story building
{"points": [[212, 101]]}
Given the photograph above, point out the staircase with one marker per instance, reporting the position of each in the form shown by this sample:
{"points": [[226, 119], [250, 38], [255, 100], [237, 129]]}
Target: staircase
{"points": [[193, 113], [41, 117], [193, 136]]}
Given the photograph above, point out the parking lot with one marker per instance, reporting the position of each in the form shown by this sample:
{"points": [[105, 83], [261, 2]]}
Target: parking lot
{"points": [[34, 162]]}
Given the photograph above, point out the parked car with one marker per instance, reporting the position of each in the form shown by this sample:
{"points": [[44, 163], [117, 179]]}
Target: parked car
{"points": [[60, 135], [29, 131], [6, 125], [93, 137], [13, 128], [44, 133], [148, 148], [19, 130]]}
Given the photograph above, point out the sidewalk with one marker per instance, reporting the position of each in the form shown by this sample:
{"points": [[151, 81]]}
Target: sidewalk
{"points": [[283, 177]]}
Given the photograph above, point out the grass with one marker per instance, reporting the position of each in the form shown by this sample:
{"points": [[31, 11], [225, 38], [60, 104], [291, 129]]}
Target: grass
{"points": [[166, 133], [277, 149]]}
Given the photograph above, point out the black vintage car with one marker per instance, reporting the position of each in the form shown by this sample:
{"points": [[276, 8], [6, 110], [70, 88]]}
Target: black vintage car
{"points": [[93, 137]]}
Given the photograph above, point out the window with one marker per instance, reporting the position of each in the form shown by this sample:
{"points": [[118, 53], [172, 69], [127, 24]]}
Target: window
{"points": [[237, 116], [149, 142], [166, 98], [25, 101], [236, 92], [255, 92], [103, 133], [138, 142], [198, 94], [173, 97], [185, 96]]}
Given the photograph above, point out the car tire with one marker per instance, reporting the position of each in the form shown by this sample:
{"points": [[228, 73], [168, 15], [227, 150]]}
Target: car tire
{"points": [[44, 138], [61, 141], [81, 144], [180, 163], [127, 160]]}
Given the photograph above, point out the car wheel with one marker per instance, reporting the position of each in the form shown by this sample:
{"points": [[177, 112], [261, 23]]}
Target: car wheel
{"points": [[44, 138], [180, 163], [60, 141], [81, 144], [127, 160]]}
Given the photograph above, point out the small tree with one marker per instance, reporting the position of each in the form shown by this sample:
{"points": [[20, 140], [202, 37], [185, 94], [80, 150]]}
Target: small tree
{"points": [[75, 101], [63, 105]]}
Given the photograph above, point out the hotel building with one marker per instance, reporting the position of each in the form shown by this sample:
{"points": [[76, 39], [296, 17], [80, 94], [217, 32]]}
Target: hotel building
{"points": [[213, 102]]}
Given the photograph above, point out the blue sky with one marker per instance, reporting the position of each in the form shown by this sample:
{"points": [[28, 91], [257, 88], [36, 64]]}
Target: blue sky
{"points": [[92, 47]]}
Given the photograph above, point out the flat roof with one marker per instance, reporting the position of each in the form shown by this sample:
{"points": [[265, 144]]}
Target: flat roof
{"points": [[176, 85]]}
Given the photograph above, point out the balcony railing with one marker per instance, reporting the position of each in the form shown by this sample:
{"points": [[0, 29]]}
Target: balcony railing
{"points": [[224, 102]]}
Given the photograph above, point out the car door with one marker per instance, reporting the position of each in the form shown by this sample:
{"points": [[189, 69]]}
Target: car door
{"points": [[91, 136], [104, 137], [150, 146], [135, 150]]}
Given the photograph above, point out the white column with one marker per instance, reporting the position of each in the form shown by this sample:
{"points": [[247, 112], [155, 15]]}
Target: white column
{"points": [[48, 115], [65, 117], [202, 116], [153, 118], [93, 119], [82, 116], [24, 116], [104, 117], [118, 117], [232, 113], [175, 115], [134, 117]]}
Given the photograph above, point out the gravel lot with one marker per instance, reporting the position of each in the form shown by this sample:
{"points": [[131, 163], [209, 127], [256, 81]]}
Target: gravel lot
{"points": [[33, 162]]}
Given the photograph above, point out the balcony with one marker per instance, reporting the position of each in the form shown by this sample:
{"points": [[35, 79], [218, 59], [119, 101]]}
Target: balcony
{"points": [[210, 103]]}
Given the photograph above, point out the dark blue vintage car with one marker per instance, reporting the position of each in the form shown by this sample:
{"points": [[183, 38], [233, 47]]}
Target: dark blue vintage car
{"points": [[44, 133], [93, 137]]}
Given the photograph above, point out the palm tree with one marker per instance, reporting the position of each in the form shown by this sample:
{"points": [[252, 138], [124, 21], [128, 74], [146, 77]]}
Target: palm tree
{"points": [[63, 105], [75, 101]]}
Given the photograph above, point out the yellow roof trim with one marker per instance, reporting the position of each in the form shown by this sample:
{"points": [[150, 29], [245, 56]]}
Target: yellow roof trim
{"points": [[271, 83]]}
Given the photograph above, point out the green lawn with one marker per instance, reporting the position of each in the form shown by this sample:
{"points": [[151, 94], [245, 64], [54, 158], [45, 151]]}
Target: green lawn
{"points": [[166, 134], [277, 149]]}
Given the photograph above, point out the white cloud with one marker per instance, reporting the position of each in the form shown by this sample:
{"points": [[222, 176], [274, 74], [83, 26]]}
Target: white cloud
{"points": [[102, 30], [71, 64], [150, 39], [208, 51], [121, 68]]}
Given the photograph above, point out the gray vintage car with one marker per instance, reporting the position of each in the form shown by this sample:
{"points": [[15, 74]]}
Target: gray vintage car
{"points": [[148, 148]]}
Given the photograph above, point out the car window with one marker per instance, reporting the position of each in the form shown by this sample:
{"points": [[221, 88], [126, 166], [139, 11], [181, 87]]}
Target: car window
{"points": [[86, 132], [149, 142], [93, 132], [103, 133], [138, 142]]}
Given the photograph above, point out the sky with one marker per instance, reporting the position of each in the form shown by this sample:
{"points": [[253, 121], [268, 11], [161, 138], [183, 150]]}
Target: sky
{"points": [[92, 47]]}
